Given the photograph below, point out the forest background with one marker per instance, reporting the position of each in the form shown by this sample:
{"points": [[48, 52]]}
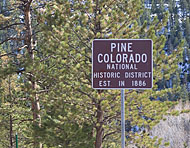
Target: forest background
{"points": [[45, 73]]}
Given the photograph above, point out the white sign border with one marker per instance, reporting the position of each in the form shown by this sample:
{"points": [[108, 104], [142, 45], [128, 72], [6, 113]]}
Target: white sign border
{"points": [[122, 87]]}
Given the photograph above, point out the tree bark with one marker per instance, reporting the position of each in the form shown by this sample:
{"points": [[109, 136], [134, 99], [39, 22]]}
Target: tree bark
{"points": [[99, 127], [10, 119], [30, 48], [99, 124], [11, 131]]}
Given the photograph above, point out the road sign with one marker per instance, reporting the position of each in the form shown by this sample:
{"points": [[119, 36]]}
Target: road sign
{"points": [[122, 63]]}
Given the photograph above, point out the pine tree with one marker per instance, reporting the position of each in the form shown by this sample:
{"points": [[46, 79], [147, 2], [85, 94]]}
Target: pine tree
{"points": [[57, 72], [70, 36], [19, 36], [187, 31], [184, 8]]}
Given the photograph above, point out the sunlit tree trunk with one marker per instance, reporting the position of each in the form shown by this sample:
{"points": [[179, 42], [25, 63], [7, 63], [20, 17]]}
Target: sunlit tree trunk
{"points": [[30, 48]]}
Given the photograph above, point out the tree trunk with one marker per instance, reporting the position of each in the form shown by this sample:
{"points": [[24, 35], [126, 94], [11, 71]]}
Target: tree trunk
{"points": [[99, 137], [30, 48], [99, 127], [11, 132], [10, 119]]}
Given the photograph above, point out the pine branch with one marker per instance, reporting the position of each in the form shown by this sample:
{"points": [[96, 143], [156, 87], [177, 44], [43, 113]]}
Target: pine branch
{"points": [[42, 91], [25, 120], [12, 38], [10, 53], [111, 133], [48, 57], [80, 38], [15, 24], [30, 1], [21, 99], [79, 51]]}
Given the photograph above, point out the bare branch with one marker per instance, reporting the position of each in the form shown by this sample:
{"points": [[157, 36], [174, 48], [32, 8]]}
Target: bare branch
{"points": [[111, 133], [15, 24], [46, 58], [30, 1], [12, 53], [25, 120], [21, 99], [6, 54], [12, 38], [42, 91]]}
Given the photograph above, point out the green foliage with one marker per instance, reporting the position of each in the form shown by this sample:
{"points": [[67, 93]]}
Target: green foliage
{"points": [[73, 114], [70, 35]]}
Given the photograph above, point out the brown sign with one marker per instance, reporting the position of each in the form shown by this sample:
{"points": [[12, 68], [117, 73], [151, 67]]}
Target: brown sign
{"points": [[122, 63]]}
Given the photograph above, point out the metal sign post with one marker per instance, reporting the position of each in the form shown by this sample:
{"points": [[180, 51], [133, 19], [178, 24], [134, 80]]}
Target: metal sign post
{"points": [[16, 136], [122, 118]]}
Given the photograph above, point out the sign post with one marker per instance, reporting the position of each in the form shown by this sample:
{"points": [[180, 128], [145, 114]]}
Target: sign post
{"points": [[16, 136], [122, 118], [122, 64]]}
